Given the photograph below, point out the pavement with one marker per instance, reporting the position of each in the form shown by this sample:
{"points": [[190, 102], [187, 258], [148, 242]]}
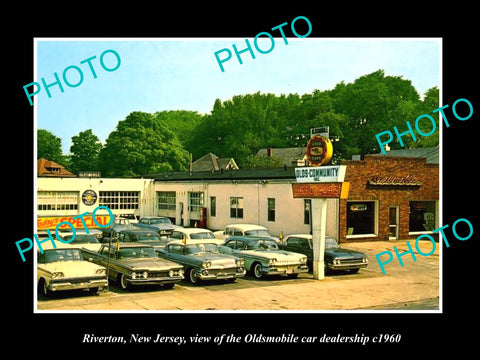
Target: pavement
{"points": [[417, 282]]}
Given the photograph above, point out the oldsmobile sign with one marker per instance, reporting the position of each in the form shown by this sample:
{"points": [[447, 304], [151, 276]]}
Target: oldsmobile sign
{"points": [[334, 173]]}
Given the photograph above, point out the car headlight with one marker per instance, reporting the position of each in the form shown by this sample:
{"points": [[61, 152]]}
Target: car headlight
{"points": [[133, 275], [145, 274], [240, 262], [272, 261], [303, 260], [101, 271], [336, 262], [206, 264], [180, 272], [365, 260], [57, 275]]}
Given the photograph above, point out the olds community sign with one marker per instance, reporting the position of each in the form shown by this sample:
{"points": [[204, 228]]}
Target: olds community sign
{"points": [[320, 174]]}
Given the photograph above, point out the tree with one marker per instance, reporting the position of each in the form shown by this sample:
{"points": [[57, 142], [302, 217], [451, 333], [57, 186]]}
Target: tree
{"points": [[49, 146], [142, 144], [85, 150]]}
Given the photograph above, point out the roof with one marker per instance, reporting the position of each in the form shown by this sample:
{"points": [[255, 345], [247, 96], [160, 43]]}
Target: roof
{"points": [[431, 154], [288, 156], [52, 169], [213, 162], [247, 227]]}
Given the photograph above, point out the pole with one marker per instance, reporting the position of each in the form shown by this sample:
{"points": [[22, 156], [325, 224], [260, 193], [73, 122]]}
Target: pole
{"points": [[319, 224]]}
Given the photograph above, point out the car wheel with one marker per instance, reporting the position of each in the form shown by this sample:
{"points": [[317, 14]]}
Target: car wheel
{"points": [[292, 276], [93, 290], [354, 271], [192, 276], [168, 286], [42, 288], [123, 281], [257, 270]]}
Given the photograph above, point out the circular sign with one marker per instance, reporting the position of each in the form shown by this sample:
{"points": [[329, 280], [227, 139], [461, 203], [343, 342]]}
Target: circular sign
{"points": [[89, 197], [319, 150]]}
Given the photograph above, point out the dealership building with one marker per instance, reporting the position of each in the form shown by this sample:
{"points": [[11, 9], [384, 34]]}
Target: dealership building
{"points": [[393, 196]]}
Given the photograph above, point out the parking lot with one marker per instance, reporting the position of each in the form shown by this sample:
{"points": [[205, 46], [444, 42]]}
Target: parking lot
{"points": [[415, 282]]}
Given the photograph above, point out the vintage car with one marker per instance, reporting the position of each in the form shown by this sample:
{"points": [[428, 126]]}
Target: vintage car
{"points": [[63, 268], [135, 264], [162, 224], [244, 230], [147, 237], [82, 239], [263, 257], [195, 234], [335, 257], [203, 261]]}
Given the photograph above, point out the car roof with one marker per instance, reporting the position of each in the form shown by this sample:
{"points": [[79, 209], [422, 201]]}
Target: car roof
{"points": [[180, 242], [192, 230], [138, 231], [248, 238], [247, 226], [128, 245], [307, 236]]}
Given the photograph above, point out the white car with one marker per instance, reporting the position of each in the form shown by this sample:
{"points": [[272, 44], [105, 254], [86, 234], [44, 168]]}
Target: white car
{"points": [[244, 230], [192, 235], [63, 268], [83, 240]]}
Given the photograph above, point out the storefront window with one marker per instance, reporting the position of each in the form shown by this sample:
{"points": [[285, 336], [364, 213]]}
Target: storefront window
{"points": [[360, 217], [422, 216]]}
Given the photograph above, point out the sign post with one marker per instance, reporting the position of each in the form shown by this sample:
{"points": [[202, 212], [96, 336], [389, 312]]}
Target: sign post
{"points": [[319, 221]]}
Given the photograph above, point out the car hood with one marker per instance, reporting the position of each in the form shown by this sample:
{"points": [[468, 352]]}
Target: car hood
{"points": [[344, 253], [153, 264], [71, 268], [216, 259]]}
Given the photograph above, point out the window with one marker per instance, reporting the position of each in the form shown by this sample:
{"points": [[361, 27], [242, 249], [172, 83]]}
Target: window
{"points": [[236, 207], [271, 209], [307, 205], [195, 201], [422, 216], [213, 206], [115, 200], [57, 200], [360, 217], [166, 200]]}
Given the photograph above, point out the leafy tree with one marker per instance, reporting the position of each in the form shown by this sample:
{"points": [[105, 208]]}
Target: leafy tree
{"points": [[259, 161], [85, 150], [49, 146], [142, 144]]}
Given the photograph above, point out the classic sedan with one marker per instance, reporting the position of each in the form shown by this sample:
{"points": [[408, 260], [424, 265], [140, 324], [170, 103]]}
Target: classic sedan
{"points": [[335, 257], [192, 235], [161, 224], [82, 239], [135, 264], [243, 230], [63, 268], [263, 257], [203, 261]]}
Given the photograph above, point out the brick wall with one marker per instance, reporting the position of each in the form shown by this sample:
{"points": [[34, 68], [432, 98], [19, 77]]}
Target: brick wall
{"points": [[359, 172]]}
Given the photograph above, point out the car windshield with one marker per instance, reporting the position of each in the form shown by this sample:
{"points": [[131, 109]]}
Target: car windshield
{"points": [[148, 237], [262, 245], [257, 232], [161, 221], [63, 255], [200, 248], [82, 239], [330, 243], [202, 235], [136, 252]]}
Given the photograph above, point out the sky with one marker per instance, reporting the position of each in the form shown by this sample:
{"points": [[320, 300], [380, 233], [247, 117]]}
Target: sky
{"points": [[183, 74]]}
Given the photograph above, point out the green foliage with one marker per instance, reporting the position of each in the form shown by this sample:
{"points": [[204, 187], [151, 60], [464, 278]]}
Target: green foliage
{"points": [[142, 144], [85, 150], [49, 146]]}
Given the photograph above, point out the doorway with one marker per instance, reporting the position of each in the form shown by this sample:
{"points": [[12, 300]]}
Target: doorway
{"points": [[393, 222]]}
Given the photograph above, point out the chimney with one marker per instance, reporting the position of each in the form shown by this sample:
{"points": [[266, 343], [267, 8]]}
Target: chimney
{"points": [[270, 152]]}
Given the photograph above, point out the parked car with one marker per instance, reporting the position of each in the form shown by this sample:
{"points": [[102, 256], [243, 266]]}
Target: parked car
{"points": [[263, 257], [244, 230], [335, 257], [162, 224], [138, 235], [135, 264], [63, 268], [203, 261], [130, 217], [82, 239], [195, 234]]}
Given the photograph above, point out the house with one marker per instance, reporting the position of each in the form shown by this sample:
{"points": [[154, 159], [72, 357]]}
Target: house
{"points": [[52, 169], [288, 156], [211, 162]]}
